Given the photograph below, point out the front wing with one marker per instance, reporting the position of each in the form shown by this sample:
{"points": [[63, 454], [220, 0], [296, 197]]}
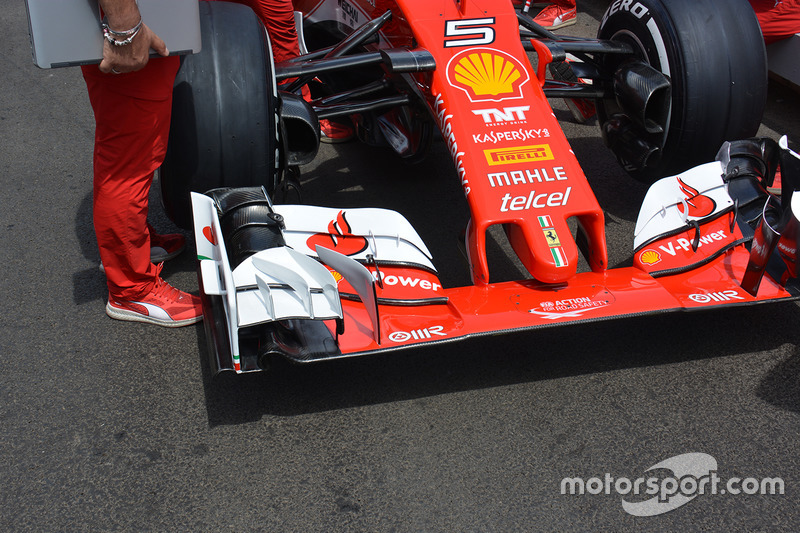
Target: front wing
{"points": [[410, 307]]}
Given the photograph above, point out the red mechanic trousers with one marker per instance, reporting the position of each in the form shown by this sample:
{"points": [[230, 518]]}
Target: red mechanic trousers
{"points": [[778, 20], [132, 114], [278, 17]]}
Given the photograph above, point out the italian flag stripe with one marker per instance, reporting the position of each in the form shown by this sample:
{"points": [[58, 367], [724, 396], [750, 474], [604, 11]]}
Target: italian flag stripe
{"points": [[558, 255], [545, 222]]}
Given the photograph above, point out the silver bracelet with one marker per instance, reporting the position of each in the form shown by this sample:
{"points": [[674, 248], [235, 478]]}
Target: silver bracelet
{"points": [[124, 42], [127, 33]]}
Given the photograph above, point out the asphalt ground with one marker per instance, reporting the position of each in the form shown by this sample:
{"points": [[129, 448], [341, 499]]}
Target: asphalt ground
{"points": [[114, 426]]}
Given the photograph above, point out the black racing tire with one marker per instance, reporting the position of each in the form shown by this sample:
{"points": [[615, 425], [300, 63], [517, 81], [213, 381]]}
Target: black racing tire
{"points": [[714, 55], [223, 131]]}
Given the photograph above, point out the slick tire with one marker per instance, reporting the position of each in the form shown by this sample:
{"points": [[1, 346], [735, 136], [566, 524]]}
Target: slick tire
{"points": [[714, 56], [223, 131]]}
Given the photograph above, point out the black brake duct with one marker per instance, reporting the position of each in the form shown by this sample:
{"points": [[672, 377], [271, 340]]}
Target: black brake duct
{"points": [[636, 132]]}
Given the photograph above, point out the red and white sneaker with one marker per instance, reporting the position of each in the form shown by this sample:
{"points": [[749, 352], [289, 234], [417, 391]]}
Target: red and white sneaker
{"points": [[334, 132], [164, 305], [165, 247], [554, 17]]}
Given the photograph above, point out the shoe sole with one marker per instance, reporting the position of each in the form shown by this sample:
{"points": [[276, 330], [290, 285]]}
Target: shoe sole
{"points": [[569, 22], [330, 140], [132, 316], [158, 257]]}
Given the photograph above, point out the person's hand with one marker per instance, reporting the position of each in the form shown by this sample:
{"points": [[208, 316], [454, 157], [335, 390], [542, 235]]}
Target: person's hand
{"points": [[134, 56]]}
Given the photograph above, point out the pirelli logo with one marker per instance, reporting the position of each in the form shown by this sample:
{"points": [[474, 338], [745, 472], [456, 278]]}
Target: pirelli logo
{"points": [[518, 154]]}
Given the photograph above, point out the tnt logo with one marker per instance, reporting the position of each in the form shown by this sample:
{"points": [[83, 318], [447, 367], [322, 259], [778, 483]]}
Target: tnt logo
{"points": [[499, 116]]}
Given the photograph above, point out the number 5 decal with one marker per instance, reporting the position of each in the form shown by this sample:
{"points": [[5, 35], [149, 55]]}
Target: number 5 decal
{"points": [[474, 31]]}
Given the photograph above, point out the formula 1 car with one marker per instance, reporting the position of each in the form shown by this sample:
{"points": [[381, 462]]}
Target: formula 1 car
{"points": [[679, 89]]}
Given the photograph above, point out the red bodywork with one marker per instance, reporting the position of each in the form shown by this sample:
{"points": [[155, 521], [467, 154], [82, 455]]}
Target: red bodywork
{"points": [[517, 169]]}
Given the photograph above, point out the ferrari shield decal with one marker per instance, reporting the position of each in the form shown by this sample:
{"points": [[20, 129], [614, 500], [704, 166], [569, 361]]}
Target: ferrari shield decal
{"points": [[486, 74], [549, 231], [552, 237]]}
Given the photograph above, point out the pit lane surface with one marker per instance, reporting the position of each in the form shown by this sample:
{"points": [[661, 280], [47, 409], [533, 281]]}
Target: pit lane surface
{"points": [[108, 425]]}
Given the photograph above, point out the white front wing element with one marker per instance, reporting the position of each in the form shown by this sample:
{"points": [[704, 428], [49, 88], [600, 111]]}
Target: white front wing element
{"points": [[390, 237], [273, 284], [360, 279], [281, 283], [289, 281], [673, 203]]}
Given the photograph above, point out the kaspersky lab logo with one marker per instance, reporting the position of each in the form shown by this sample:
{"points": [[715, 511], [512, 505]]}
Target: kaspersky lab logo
{"points": [[691, 475]]}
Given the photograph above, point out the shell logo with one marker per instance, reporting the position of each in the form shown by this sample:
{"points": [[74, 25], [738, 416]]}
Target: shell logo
{"points": [[650, 257], [486, 74]]}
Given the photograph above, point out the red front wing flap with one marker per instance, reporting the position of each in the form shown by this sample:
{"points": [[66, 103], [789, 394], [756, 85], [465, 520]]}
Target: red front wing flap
{"points": [[520, 305]]}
